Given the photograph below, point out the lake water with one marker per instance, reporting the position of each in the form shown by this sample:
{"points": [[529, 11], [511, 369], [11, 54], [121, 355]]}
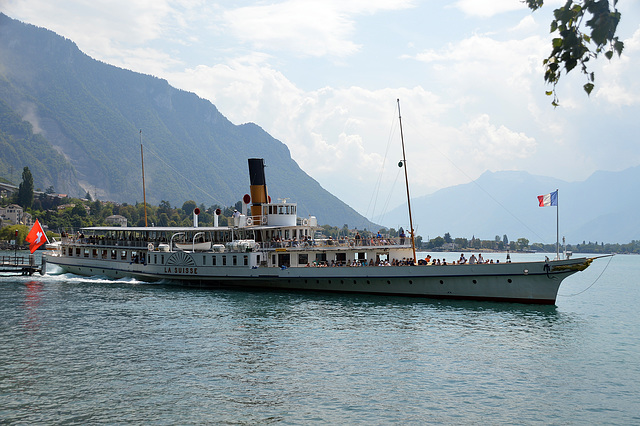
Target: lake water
{"points": [[79, 350]]}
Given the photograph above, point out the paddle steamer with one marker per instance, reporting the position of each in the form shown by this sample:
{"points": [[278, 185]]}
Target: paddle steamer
{"points": [[268, 246]]}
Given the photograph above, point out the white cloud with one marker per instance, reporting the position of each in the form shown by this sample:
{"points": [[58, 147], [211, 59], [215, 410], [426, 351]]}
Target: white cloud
{"points": [[491, 8], [483, 69], [309, 29], [492, 145], [526, 24], [304, 27], [488, 8], [619, 86]]}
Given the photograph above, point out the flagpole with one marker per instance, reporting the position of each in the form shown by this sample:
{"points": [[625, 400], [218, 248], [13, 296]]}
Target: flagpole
{"points": [[557, 227]]}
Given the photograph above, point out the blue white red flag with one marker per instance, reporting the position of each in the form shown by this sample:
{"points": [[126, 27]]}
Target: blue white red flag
{"points": [[548, 199]]}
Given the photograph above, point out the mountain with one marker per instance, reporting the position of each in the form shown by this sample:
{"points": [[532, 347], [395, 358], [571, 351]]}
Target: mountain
{"points": [[75, 122], [603, 208]]}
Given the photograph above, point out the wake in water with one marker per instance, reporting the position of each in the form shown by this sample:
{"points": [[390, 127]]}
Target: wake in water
{"points": [[55, 274]]}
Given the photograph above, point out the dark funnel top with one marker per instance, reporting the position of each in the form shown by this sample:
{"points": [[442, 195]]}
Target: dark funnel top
{"points": [[256, 171]]}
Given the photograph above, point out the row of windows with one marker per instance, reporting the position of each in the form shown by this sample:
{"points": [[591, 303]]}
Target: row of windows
{"points": [[282, 209], [133, 256]]}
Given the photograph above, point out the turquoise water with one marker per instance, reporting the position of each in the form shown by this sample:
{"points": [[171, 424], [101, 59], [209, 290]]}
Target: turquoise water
{"points": [[88, 350]]}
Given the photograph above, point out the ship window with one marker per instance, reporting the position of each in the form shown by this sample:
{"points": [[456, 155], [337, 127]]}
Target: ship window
{"points": [[123, 255], [94, 253], [303, 259], [204, 260], [224, 260], [246, 260], [273, 259], [86, 252], [321, 257], [213, 260], [155, 258], [78, 251], [162, 259], [104, 254], [113, 254]]}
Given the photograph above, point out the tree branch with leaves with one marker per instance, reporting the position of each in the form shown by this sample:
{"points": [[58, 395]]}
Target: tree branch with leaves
{"points": [[582, 30]]}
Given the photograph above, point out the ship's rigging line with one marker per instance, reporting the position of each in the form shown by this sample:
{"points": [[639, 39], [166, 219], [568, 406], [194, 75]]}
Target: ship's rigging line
{"points": [[591, 285], [377, 186], [184, 177]]}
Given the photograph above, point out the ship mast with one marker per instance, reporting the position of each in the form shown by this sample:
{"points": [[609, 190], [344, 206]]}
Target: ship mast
{"points": [[144, 194], [406, 179]]}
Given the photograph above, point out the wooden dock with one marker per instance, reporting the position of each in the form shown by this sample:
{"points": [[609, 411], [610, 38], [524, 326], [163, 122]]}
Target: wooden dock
{"points": [[22, 265]]}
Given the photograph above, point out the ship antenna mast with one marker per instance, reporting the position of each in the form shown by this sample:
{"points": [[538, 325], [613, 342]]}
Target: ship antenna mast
{"points": [[406, 178], [144, 193]]}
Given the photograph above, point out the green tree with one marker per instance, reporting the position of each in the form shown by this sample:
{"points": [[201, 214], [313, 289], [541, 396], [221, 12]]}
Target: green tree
{"points": [[437, 241], [447, 238], [461, 242], [188, 206], [522, 243], [163, 220], [164, 207], [79, 210], [583, 30], [8, 233], [25, 190], [96, 208]]}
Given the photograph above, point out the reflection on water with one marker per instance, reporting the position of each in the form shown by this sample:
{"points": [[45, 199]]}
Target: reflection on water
{"points": [[32, 304]]}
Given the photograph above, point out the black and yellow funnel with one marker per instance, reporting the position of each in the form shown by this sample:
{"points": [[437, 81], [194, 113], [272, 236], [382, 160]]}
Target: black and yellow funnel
{"points": [[258, 186]]}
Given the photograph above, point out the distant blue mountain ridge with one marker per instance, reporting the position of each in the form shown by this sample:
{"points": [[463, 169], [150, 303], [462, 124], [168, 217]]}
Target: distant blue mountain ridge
{"points": [[603, 208]]}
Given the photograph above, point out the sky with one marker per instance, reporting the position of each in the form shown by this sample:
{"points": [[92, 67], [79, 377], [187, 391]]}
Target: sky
{"points": [[324, 78]]}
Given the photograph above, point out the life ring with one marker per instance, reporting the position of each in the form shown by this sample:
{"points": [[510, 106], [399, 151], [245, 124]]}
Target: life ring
{"points": [[264, 220], [249, 221], [305, 222], [150, 246], [257, 246]]}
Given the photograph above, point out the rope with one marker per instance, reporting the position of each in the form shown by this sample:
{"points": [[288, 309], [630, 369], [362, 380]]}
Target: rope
{"points": [[376, 189], [596, 280]]}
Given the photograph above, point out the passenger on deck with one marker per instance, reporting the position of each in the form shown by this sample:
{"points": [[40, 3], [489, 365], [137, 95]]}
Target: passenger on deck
{"points": [[472, 259]]}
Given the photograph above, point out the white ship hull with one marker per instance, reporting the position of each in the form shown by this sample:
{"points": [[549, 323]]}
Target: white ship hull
{"points": [[526, 282]]}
